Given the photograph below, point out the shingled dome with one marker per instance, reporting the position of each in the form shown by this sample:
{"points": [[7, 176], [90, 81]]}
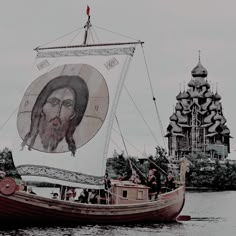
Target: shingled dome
{"points": [[199, 71]]}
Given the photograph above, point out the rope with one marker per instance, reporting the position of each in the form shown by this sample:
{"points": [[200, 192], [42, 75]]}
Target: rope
{"points": [[11, 115], [150, 130], [154, 99], [122, 136], [116, 144], [62, 37], [126, 142], [158, 167], [130, 164], [95, 34], [15, 110], [125, 36], [139, 170]]}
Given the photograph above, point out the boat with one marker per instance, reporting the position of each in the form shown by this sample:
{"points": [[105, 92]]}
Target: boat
{"points": [[64, 123]]}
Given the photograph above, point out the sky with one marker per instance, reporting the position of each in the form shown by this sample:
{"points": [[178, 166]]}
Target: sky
{"points": [[173, 32]]}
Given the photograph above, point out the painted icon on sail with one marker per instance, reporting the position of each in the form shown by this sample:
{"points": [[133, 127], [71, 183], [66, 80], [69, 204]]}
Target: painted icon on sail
{"points": [[63, 109]]}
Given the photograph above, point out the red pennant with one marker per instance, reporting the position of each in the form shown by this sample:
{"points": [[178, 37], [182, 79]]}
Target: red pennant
{"points": [[88, 10]]}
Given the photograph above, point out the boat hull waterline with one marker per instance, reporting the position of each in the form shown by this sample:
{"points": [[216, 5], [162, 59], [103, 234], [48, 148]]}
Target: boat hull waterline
{"points": [[24, 208]]}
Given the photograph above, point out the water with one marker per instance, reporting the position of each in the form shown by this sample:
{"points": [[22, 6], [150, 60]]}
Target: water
{"points": [[213, 213]]}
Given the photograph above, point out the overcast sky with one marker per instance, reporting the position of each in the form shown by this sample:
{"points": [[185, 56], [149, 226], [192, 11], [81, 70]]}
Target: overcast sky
{"points": [[173, 32]]}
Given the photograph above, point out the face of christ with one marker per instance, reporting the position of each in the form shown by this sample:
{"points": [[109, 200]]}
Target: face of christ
{"points": [[57, 112], [55, 117]]}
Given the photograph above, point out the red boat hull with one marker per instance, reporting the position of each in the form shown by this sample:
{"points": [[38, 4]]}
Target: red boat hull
{"points": [[24, 208]]}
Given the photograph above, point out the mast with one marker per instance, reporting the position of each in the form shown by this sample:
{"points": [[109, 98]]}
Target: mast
{"points": [[87, 25]]}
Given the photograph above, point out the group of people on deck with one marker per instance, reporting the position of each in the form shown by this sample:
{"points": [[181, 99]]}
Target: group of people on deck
{"points": [[85, 196], [23, 187], [89, 196], [93, 196], [154, 183]]}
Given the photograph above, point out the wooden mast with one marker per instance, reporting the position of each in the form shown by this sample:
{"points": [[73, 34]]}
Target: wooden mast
{"points": [[87, 25]]}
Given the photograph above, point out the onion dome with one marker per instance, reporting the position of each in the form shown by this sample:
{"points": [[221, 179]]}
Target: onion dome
{"points": [[181, 118], [217, 97], [199, 70], [182, 95], [219, 107], [191, 83], [208, 94], [178, 97], [206, 84], [217, 116], [178, 107], [214, 128], [213, 107], [225, 130], [175, 127], [208, 118], [173, 117], [196, 94], [185, 95], [223, 120]]}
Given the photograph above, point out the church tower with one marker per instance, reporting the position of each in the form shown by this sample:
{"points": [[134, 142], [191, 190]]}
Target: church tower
{"points": [[198, 123]]}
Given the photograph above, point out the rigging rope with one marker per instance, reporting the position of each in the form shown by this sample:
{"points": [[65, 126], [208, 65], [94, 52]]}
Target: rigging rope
{"points": [[150, 130], [154, 99], [116, 33], [95, 34], [157, 166], [138, 170], [122, 137], [11, 115], [130, 163], [62, 37], [127, 142]]}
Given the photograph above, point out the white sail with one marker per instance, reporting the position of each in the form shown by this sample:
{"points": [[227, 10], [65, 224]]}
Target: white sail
{"points": [[65, 117]]}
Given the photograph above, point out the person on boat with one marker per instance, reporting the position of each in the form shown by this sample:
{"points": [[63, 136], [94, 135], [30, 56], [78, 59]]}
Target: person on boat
{"points": [[55, 196], [70, 194], [102, 196], [83, 197], [23, 186], [107, 186], [2, 174], [152, 184], [30, 190], [158, 179], [107, 182], [135, 178], [120, 177], [57, 112], [170, 181], [92, 197]]}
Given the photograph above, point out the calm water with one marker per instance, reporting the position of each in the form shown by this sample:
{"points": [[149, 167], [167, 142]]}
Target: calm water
{"points": [[213, 213]]}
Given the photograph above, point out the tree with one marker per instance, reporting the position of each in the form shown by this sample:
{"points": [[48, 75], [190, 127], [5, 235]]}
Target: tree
{"points": [[7, 164]]}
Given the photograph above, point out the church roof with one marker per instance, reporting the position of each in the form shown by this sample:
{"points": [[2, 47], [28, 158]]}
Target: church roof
{"points": [[209, 94], [173, 117], [217, 96], [199, 70]]}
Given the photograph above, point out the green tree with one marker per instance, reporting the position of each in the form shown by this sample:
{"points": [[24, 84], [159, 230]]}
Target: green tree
{"points": [[7, 164]]}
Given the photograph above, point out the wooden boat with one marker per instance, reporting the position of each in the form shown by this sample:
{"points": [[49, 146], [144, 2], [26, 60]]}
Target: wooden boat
{"points": [[74, 98], [23, 208]]}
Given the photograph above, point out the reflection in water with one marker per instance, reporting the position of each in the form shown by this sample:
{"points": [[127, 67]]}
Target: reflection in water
{"points": [[212, 214], [109, 230]]}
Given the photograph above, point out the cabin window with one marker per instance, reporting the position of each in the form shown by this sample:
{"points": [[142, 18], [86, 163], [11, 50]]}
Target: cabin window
{"points": [[140, 194], [124, 193]]}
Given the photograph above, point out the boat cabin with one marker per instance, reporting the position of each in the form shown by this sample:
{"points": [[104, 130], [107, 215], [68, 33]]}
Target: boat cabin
{"points": [[126, 192]]}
